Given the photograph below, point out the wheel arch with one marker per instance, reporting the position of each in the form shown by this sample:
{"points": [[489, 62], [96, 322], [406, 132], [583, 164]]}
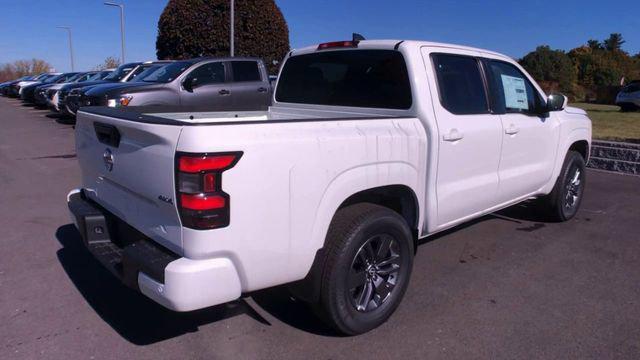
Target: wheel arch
{"points": [[577, 140], [582, 147], [399, 197]]}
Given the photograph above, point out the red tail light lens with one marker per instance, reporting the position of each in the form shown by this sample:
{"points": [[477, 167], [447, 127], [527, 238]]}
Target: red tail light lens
{"points": [[209, 182], [338, 44], [201, 201], [194, 164]]}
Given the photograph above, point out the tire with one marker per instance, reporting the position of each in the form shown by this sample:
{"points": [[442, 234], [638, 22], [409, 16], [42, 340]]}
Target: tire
{"points": [[356, 296], [564, 200], [625, 107]]}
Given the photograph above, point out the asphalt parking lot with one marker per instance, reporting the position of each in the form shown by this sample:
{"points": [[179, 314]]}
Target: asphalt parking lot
{"points": [[507, 286]]}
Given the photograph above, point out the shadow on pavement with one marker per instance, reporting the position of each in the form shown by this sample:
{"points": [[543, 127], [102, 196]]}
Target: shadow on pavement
{"points": [[61, 119], [524, 213], [142, 322]]}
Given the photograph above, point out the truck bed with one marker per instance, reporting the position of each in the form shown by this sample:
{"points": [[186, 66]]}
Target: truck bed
{"points": [[165, 115]]}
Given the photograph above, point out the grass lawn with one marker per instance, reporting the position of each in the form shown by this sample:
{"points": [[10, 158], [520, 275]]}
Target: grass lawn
{"points": [[611, 124]]}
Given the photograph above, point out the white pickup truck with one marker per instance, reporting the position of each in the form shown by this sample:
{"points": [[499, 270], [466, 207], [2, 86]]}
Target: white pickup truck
{"points": [[368, 147]]}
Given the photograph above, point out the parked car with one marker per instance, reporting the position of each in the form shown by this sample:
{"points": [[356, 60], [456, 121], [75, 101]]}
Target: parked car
{"points": [[16, 88], [29, 92], [629, 97], [133, 79], [368, 147], [4, 87], [207, 83], [53, 92], [69, 94]]}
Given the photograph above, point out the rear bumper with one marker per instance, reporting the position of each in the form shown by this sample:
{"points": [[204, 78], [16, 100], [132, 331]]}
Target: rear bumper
{"points": [[178, 283]]}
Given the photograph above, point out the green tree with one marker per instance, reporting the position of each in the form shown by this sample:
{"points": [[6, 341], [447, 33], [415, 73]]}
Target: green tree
{"points": [[614, 42], [594, 44], [552, 68], [193, 28]]}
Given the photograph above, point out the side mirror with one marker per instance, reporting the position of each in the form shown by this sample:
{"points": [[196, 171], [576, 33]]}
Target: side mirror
{"points": [[556, 102], [188, 83]]}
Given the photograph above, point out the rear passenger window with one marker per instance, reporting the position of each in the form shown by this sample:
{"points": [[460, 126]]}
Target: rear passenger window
{"points": [[512, 91], [460, 84], [245, 71]]}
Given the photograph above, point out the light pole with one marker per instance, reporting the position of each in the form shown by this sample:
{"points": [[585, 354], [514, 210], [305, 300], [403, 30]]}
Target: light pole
{"points": [[68, 28], [121, 6], [231, 37]]}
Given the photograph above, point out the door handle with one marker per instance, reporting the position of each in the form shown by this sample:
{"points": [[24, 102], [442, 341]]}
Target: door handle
{"points": [[453, 135], [224, 92], [262, 89], [511, 130]]}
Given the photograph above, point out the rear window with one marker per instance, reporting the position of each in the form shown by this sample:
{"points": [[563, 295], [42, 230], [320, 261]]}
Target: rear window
{"points": [[360, 78], [245, 71], [460, 84]]}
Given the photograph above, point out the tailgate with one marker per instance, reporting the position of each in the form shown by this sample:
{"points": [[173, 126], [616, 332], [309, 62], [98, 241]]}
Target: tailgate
{"points": [[128, 168]]}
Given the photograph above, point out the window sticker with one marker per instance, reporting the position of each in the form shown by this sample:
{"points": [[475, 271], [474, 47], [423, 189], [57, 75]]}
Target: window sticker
{"points": [[515, 92]]}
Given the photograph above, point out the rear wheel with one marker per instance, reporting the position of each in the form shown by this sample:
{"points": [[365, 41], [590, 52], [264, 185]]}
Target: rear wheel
{"points": [[367, 267], [565, 199]]}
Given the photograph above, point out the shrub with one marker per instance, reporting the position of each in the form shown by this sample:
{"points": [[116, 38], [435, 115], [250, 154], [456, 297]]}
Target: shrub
{"points": [[193, 28]]}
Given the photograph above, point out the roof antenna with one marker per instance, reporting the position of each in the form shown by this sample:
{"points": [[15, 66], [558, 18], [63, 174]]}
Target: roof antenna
{"points": [[357, 37]]}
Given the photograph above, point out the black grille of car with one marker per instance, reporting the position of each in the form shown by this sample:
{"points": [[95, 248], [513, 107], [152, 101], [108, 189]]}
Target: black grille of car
{"points": [[94, 101]]}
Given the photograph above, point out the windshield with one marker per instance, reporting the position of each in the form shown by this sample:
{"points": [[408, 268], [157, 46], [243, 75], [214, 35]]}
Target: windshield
{"points": [[76, 77], [62, 78], [633, 87], [49, 78], [135, 74], [99, 76], [148, 71], [360, 78], [120, 72], [168, 73], [53, 79]]}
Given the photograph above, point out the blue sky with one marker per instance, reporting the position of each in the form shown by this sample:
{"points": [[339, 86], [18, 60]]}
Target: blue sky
{"points": [[28, 28]]}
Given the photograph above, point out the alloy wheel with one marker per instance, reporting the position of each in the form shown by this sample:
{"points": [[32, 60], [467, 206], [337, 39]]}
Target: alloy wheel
{"points": [[374, 272]]}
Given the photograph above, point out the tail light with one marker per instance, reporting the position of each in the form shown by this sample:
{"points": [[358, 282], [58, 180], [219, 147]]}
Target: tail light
{"points": [[338, 44], [201, 201]]}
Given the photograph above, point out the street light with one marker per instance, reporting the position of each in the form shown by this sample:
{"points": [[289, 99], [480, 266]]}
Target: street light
{"points": [[68, 28], [231, 40], [121, 6]]}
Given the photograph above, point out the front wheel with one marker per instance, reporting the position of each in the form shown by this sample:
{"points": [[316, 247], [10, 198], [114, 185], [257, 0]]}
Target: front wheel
{"points": [[626, 107], [367, 267], [565, 199]]}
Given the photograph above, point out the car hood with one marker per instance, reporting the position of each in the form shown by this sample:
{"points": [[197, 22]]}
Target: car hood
{"points": [[116, 88], [27, 83], [83, 84], [46, 86], [575, 110], [57, 86], [33, 86]]}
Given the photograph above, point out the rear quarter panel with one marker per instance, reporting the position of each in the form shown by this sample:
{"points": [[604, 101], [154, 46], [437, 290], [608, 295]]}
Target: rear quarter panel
{"points": [[292, 178]]}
